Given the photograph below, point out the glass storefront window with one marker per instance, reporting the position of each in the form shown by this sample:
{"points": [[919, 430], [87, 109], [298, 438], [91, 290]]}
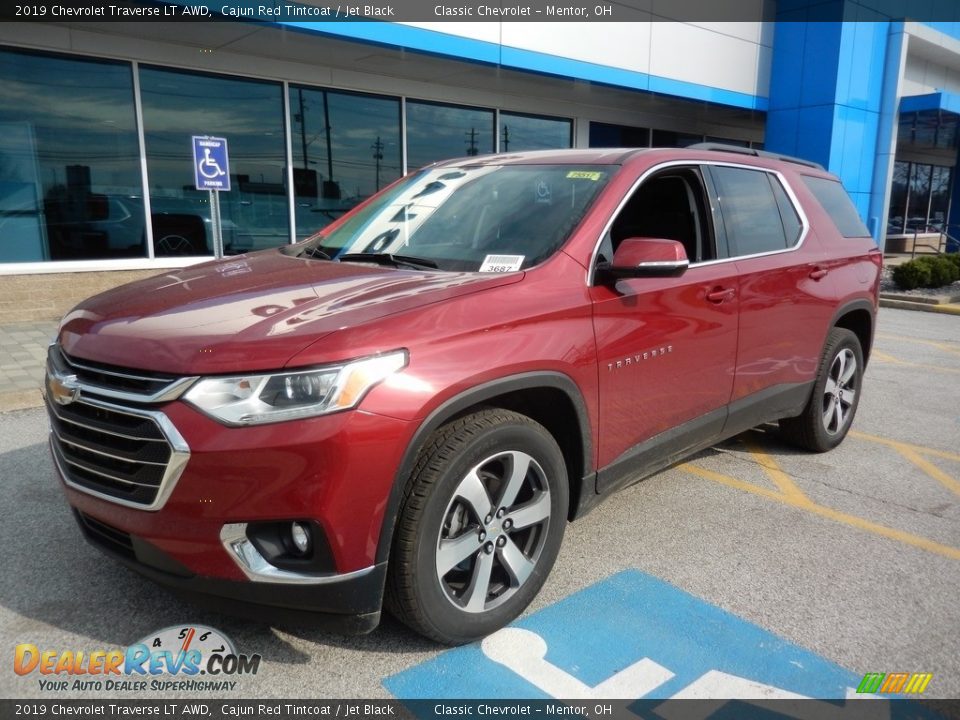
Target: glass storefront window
{"points": [[669, 138], [939, 198], [345, 148], [530, 132], [928, 129], [438, 132], [70, 184], [604, 135], [918, 203], [919, 198], [249, 114], [898, 197]]}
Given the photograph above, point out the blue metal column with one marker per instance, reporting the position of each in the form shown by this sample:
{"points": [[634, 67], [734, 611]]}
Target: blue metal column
{"points": [[826, 92]]}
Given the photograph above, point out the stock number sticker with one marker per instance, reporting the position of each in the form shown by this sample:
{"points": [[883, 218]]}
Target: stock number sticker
{"points": [[584, 175], [501, 263]]}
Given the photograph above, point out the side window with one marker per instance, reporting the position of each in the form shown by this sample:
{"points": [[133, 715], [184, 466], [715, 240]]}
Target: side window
{"points": [[670, 205], [757, 213], [836, 202]]}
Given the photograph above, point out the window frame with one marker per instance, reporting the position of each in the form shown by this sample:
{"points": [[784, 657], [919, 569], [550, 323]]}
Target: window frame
{"points": [[719, 233], [771, 177], [706, 216]]}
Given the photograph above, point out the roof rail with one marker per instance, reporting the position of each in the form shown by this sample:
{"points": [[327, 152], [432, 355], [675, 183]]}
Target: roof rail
{"points": [[721, 147]]}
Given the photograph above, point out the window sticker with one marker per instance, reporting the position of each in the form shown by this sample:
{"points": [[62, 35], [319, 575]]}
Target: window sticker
{"points": [[501, 263], [544, 194], [584, 175]]}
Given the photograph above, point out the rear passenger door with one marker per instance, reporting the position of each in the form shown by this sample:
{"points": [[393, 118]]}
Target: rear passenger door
{"points": [[786, 297]]}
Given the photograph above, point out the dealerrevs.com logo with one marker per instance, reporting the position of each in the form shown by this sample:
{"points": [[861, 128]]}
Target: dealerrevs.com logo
{"points": [[173, 659]]}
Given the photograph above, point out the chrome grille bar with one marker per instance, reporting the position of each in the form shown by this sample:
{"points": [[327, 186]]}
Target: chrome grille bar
{"points": [[100, 464], [116, 383]]}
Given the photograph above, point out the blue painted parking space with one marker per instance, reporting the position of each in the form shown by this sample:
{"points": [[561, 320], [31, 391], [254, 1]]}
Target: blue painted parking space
{"points": [[630, 636]]}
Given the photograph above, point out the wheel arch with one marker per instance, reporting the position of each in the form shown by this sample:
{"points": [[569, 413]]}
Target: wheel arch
{"points": [[550, 398], [859, 317]]}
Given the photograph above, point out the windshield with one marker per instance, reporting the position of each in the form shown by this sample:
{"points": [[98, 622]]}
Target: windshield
{"points": [[486, 218]]}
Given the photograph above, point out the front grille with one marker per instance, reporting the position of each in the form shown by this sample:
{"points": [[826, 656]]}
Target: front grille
{"points": [[120, 450], [115, 382], [105, 535], [127, 455]]}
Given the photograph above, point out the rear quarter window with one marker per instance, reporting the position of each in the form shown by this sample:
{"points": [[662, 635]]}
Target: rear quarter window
{"points": [[757, 215], [839, 207]]}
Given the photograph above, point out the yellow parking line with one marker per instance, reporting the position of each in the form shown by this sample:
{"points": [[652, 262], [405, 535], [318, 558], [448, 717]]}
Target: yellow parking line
{"points": [[840, 517], [734, 482], [930, 469], [773, 470], [886, 357], [900, 443], [915, 453], [932, 343], [904, 537]]}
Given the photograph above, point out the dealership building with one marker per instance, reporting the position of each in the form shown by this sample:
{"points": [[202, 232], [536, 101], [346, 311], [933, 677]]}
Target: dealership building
{"points": [[97, 174]]}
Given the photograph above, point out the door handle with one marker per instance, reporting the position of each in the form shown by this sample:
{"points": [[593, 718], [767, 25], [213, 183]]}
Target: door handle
{"points": [[720, 294], [818, 273]]}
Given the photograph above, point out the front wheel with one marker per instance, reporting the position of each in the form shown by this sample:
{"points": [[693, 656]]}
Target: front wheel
{"points": [[836, 394], [481, 524]]}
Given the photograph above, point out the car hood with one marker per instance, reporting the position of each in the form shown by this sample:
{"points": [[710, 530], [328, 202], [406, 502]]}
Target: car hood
{"points": [[253, 312]]}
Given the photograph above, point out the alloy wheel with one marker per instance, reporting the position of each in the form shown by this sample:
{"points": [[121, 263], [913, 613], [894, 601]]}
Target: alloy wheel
{"points": [[494, 529]]}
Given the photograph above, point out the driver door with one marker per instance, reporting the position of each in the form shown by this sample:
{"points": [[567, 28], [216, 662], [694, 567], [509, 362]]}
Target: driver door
{"points": [[666, 345]]}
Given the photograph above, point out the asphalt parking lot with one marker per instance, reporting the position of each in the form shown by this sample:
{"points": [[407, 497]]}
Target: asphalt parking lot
{"points": [[796, 571]]}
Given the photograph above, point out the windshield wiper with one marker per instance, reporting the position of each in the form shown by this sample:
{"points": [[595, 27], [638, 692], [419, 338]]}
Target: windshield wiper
{"points": [[315, 252], [392, 260]]}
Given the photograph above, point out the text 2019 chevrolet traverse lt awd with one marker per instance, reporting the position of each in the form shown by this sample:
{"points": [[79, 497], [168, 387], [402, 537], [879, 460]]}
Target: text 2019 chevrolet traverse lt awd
{"points": [[407, 408]]}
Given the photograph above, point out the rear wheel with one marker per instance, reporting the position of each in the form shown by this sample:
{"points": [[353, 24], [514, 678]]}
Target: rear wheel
{"points": [[482, 521], [836, 394]]}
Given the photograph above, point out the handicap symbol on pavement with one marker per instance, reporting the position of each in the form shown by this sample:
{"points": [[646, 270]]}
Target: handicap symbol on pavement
{"points": [[635, 637], [211, 163]]}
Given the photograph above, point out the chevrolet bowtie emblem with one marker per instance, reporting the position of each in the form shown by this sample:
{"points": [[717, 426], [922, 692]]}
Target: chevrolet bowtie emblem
{"points": [[64, 389]]}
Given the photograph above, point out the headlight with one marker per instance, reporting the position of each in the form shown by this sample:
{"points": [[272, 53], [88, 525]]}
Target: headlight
{"points": [[256, 399]]}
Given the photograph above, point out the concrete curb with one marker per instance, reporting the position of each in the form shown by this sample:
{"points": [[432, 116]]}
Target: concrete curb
{"points": [[943, 308]]}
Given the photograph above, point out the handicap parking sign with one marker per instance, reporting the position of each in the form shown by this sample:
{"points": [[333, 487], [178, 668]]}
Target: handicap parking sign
{"points": [[211, 163], [633, 637]]}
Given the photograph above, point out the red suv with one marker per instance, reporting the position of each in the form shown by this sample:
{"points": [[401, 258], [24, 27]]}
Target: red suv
{"points": [[408, 407]]}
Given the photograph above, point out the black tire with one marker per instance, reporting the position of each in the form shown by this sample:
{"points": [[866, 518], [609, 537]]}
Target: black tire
{"points": [[829, 413], [440, 522]]}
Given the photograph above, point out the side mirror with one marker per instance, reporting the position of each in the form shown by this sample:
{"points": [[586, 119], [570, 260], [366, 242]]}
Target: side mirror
{"points": [[645, 257]]}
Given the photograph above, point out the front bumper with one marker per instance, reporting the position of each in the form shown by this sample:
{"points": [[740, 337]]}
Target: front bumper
{"points": [[348, 603], [335, 472]]}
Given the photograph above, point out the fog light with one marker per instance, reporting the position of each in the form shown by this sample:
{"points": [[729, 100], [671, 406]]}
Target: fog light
{"points": [[301, 537]]}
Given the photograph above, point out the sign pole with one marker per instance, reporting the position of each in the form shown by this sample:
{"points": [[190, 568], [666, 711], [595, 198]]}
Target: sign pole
{"points": [[211, 169], [216, 227]]}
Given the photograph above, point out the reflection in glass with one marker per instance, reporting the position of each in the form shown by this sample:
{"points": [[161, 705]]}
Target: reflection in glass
{"points": [[669, 138], [345, 148], [249, 114], [471, 218], [605, 135], [918, 204], [919, 198], [528, 132], [70, 186], [939, 198], [898, 197], [928, 129], [439, 132], [750, 212]]}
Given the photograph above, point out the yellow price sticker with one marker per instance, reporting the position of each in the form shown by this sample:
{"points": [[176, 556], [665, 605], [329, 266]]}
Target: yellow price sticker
{"points": [[584, 175]]}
